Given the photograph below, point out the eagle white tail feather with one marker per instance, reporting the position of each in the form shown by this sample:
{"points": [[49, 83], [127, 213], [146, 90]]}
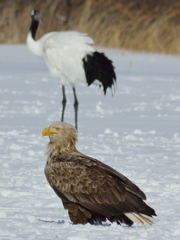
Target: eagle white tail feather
{"points": [[139, 218]]}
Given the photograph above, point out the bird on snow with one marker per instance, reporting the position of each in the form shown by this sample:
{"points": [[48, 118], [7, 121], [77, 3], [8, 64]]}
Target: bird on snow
{"points": [[71, 57], [90, 190]]}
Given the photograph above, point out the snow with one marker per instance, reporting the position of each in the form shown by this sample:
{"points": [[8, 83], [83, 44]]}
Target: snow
{"points": [[136, 132]]}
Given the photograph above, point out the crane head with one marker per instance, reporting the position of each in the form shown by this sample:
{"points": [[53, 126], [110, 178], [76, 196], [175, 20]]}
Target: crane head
{"points": [[35, 14]]}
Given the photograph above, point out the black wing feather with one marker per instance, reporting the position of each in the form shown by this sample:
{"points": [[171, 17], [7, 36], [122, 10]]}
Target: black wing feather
{"points": [[98, 67]]}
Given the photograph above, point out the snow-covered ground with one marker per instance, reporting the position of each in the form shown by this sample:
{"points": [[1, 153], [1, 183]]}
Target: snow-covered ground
{"points": [[137, 132]]}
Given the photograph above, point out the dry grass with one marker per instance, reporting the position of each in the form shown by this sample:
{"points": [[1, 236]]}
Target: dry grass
{"points": [[154, 28], [147, 25]]}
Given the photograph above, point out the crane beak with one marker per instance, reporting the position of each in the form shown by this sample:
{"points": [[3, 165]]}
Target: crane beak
{"points": [[48, 131]]}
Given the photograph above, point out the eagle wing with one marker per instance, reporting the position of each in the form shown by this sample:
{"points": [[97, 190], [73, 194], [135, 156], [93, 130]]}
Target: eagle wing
{"points": [[88, 182], [127, 184]]}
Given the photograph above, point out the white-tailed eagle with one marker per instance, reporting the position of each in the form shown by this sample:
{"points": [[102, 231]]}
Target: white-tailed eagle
{"points": [[90, 190]]}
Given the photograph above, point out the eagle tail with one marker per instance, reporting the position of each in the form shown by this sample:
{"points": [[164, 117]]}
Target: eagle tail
{"points": [[98, 67], [139, 218]]}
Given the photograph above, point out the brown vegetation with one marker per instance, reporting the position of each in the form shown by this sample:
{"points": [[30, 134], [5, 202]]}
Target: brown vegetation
{"points": [[148, 25]]}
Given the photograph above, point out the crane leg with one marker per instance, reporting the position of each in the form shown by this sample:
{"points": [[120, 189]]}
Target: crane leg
{"points": [[76, 103], [63, 103]]}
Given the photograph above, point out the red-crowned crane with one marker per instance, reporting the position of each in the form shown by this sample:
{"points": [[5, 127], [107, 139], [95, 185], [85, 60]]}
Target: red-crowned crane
{"points": [[71, 57]]}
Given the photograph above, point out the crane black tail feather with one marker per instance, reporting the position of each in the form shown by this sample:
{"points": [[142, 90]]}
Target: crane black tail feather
{"points": [[98, 67]]}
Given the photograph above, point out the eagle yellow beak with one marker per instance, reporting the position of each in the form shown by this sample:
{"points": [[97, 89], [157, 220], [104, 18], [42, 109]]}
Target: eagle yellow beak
{"points": [[48, 131]]}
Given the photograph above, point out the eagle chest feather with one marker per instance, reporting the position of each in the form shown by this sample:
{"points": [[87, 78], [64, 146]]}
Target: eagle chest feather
{"points": [[71, 177]]}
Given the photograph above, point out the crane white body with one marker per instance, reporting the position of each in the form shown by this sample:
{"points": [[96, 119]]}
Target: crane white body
{"points": [[63, 53]]}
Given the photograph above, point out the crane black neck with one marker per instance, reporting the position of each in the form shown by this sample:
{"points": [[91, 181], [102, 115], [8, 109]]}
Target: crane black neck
{"points": [[33, 27]]}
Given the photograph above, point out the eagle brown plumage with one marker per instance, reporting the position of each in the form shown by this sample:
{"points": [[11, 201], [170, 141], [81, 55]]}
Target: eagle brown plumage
{"points": [[90, 190]]}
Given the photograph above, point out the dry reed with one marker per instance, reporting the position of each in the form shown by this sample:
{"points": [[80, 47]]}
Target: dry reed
{"points": [[143, 25]]}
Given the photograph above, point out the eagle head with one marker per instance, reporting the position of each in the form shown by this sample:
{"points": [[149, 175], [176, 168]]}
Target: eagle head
{"points": [[62, 135]]}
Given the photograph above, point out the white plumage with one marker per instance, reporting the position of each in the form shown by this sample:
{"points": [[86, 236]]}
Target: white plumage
{"points": [[71, 57], [63, 53]]}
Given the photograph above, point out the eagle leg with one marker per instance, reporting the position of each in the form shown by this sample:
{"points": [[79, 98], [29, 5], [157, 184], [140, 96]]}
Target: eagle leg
{"points": [[77, 214]]}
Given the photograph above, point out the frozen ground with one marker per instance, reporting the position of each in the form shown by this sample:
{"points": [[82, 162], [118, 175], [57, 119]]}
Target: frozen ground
{"points": [[137, 132]]}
